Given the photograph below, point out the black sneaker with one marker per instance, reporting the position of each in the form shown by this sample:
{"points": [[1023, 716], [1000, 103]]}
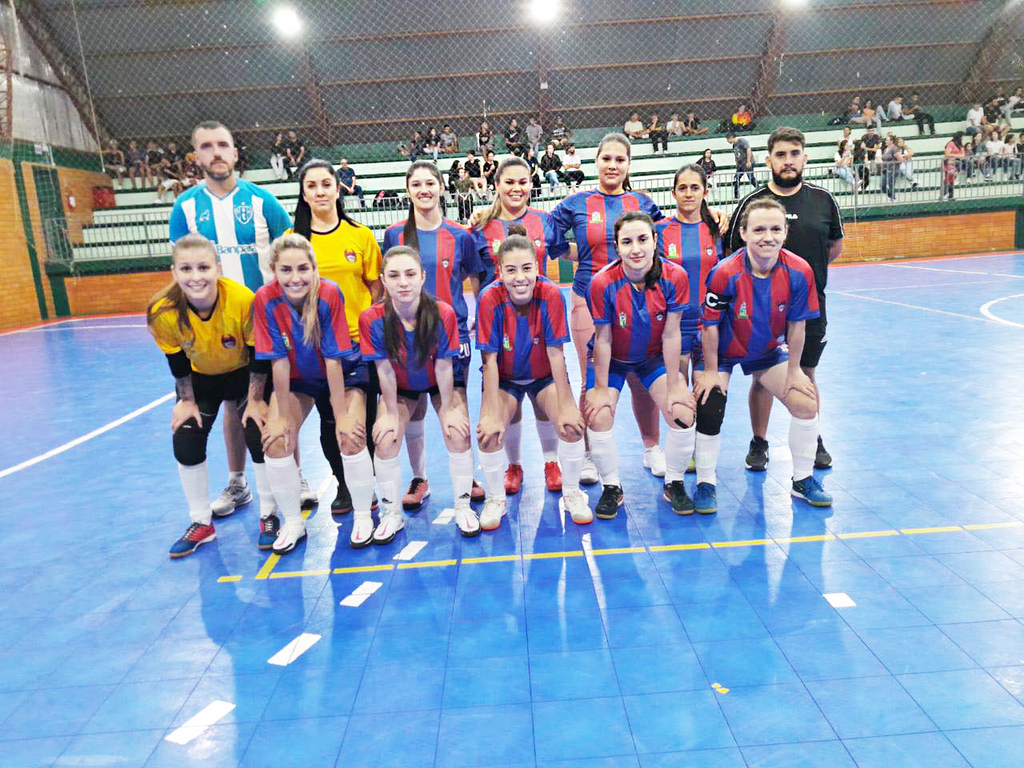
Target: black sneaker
{"points": [[675, 494], [757, 456], [342, 503], [822, 458], [609, 503]]}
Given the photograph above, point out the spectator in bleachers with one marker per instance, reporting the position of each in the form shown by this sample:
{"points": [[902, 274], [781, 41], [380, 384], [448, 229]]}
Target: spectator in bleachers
{"points": [[531, 160], [168, 179], [691, 125], [484, 139], [707, 162], [472, 166], [1015, 103], [114, 163], [175, 158], [514, 139], [463, 189], [949, 172], [432, 143], [572, 167], [848, 136], [551, 167], [657, 132], [453, 176], [674, 126], [742, 120], [1018, 154], [277, 156], [994, 156], [871, 115], [489, 168], [295, 153], [243, 159], [402, 149], [873, 146], [862, 164], [994, 110], [957, 151], [347, 182], [560, 135], [154, 156], [976, 119], [891, 160], [920, 116], [744, 162], [906, 169], [534, 134], [415, 146], [853, 112], [449, 140], [138, 165], [844, 164], [633, 128], [894, 112]]}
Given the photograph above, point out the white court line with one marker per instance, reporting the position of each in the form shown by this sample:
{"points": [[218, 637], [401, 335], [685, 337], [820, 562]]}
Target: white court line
{"points": [[839, 600], [920, 285], [986, 310], [85, 438], [410, 550], [912, 306], [199, 722], [446, 516], [51, 329], [952, 271], [361, 593], [294, 649]]}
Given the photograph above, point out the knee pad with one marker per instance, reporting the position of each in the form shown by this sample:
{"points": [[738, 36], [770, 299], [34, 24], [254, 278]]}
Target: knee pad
{"points": [[711, 413], [190, 444]]}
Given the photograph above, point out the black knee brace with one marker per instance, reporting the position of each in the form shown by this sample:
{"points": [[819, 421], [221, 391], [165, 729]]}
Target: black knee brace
{"points": [[190, 442], [254, 441], [711, 413], [329, 444]]}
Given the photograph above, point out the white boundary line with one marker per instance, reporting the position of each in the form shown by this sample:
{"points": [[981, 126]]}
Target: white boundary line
{"points": [[986, 310], [914, 306], [199, 722], [921, 285], [50, 328], [85, 438], [952, 271]]}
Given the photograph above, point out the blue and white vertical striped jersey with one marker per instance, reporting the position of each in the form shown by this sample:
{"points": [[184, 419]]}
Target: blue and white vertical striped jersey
{"points": [[242, 224]]}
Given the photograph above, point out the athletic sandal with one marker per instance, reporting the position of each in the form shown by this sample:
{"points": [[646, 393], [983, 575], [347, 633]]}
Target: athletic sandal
{"points": [[231, 498], [342, 503], [270, 526], [588, 472], [675, 494], [390, 524], [810, 490], [362, 531], [493, 511], [513, 479], [289, 537], [553, 476], [196, 535], [705, 499], [466, 519], [419, 489], [609, 503], [576, 504], [307, 496]]}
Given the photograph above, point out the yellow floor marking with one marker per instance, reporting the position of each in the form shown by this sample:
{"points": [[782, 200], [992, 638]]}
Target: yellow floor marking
{"points": [[364, 569], [268, 567], [748, 543], [300, 574], [990, 526], [802, 539], [866, 534], [492, 559], [679, 547], [551, 555], [427, 564], [618, 551], [936, 529], [225, 579]]}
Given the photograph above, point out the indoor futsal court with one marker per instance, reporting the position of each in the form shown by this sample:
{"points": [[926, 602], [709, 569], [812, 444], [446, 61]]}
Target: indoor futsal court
{"points": [[883, 631]]}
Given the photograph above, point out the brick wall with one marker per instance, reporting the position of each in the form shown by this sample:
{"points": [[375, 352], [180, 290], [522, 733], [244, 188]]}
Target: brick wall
{"points": [[113, 294], [928, 236], [18, 304]]}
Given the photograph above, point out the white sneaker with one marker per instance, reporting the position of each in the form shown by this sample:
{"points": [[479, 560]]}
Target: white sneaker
{"points": [[362, 531], [307, 496], [232, 497], [491, 514], [588, 472], [578, 507], [391, 522], [654, 460], [288, 538], [466, 519]]}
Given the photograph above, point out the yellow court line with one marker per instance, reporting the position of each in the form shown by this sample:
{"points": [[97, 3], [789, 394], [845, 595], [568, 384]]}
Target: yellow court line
{"points": [[427, 564], [551, 555], [935, 529], [867, 534], [747, 543], [364, 568], [679, 547], [618, 551], [226, 579], [491, 559], [268, 567], [802, 539], [300, 574], [990, 526]]}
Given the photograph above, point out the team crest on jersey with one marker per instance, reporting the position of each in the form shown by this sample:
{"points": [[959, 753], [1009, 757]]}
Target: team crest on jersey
{"points": [[204, 216], [444, 263], [495, 245], [536, 243], [243, 212], [672, 250], [659, 317], [623, 322], [782, 307], [287, 343], [227, 341], [536, 340], [505, 343], [711, 251], [743, 311], [595, 217], [351, 256]]}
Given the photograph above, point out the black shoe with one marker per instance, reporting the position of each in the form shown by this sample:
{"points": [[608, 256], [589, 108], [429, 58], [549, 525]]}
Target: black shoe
{"points": [[757, 456], [822, 458], [609, 503], [342, 503], [675, 494]]}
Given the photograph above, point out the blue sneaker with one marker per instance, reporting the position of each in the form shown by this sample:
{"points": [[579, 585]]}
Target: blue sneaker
{"points": [[810, 490], [270, 526], [705, 499], [196, 535]]}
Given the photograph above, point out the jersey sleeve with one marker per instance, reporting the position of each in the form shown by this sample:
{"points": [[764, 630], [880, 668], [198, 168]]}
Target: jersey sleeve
{"points": [[371, 336], [676, 298], [650, 207], [335, 342], [488, 322], [165, 333], [803, 298], [482, 249], [718, 298], [390, 238], [178, 223], [278, 220], [835, 226], [562, 216], [719, 251], [268, 336], [554, 237], [601, 304], [447, 334], [469, 259], [732, 238], [556, 330], [372, 259]]}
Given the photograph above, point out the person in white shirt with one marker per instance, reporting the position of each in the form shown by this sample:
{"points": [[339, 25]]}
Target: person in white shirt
{"points": [[674, 127], [994, 152], [895, 109], [975, 120], [571, 167], [633, 128], [844, 164]]}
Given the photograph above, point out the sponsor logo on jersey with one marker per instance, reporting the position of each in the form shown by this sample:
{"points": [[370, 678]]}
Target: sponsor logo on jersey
{"points": [[672, 251], [495, 245], [623, 322], [595, 217], [351, 256], [782, 307], [743, 311], [506, 343], [227, 341], [204, 216], [243, 213]]}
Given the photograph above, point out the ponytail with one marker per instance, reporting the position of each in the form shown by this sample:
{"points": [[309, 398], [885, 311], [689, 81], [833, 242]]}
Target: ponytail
{"points": [[171, 298], [428, 319]]}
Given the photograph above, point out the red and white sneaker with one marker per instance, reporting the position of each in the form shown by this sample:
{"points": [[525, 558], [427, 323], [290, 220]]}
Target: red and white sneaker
{"points": [[513, 479], [419, 489], [553, 476], [477, 492], [196, 535]]}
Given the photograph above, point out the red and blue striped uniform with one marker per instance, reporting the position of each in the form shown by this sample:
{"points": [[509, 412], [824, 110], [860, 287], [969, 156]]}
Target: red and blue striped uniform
{"points": [[547, 238], [637, 317], [520, 339], [695, 249], [278, 331], [449, 256], [411, 373], [752, 312], [591, 216]]}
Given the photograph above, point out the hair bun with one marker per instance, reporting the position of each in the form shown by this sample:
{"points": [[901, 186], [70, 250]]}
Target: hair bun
{"points": [[517, 229]]}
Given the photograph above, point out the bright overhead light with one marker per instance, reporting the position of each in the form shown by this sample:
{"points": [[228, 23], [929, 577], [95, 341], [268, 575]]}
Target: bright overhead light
{"points": [[544, 11], [794, 3], [287, 21]]}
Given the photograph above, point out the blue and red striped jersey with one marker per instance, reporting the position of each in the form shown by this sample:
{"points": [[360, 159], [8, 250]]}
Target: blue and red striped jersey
{"points": [[591, 216], [548, 239], [695, 249], [411, 373], [449, 256], [278, 331], [637, 316], [520, 339], [751, 312]]}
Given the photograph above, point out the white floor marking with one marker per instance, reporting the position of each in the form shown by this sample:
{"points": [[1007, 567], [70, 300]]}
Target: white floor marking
{"points": [[199, 722], [840, 600], [85, 438], [410, 550], [912, 306], [361, 593], [921, 285], [446, 516], [79, 327], [952, 271], [294, 649], [986, 310]]}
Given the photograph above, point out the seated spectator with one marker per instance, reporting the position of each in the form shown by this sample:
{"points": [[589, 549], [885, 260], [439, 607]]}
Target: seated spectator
{"points": [[347, 182], [1015, 104], [472, 166], [167, 180], [453, 175], [906, 169], [572, 168], [138, 165], [744, 162], [674, 126], [551, 167], [995, 155], [742, 120], [560, 134], [484, 139], [489, 168], [873, 147], [531, 160], [633, 128], [277, 156], [920, 116], [862, 164], [402, 150], [894, 112], [114, 163], [657, 133], [1017, 161], [994, 110], [707, 162], [871, 115], [449, 140], [976, 120], [193, 173], [464, 195], [294, 153], [534, 134], [154, 157], [176, 157], [848, 136], [844, 164], [415, 146], [514, 139], [853, 111], [691, 125], [432, 143], [243, 159]]}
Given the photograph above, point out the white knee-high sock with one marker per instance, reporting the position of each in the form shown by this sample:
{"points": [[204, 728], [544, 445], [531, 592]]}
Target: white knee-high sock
{"points": [[283, 476], [803, 443], [389, 479], [570, 457], [605, 454], [460, 466], [678, 450], [195, 482], [548, 440], [416, 444], [493, 466], [263, 489], [706, 457], [359, 479], [513, 438]]}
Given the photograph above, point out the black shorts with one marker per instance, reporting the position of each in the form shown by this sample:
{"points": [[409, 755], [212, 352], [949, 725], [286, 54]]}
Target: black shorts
{"points": [[413, 394], [211, 391], [460, 370], [815, 339]]}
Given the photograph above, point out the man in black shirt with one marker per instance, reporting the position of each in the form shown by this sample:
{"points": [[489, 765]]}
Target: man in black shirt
{"points": [[294, 152], [816, 235]]}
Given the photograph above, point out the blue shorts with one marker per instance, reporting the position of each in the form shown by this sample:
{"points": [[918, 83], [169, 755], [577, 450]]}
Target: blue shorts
{"points": [[519, 390], [460, 370], [748, 365], [692, 345], [357, 375], [647, 371]]}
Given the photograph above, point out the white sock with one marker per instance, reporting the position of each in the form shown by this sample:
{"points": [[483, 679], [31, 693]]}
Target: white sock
{"points": [[803, 444], [389, 479], [460, 466], [263, 489], [416, 445], [678, 450], [513, 438], [359, 480], [283, 476], [605, 454], [548, 440], [236, 478], [493, 466], [706, 457], [570, 457], [195, 482]]}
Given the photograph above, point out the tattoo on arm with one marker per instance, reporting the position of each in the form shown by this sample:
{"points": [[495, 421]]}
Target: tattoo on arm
{"points": [[183, 388], [257, 386]]}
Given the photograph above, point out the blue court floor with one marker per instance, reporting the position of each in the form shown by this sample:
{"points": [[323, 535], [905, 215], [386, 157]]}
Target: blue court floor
{"points": [[650, 640]]}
